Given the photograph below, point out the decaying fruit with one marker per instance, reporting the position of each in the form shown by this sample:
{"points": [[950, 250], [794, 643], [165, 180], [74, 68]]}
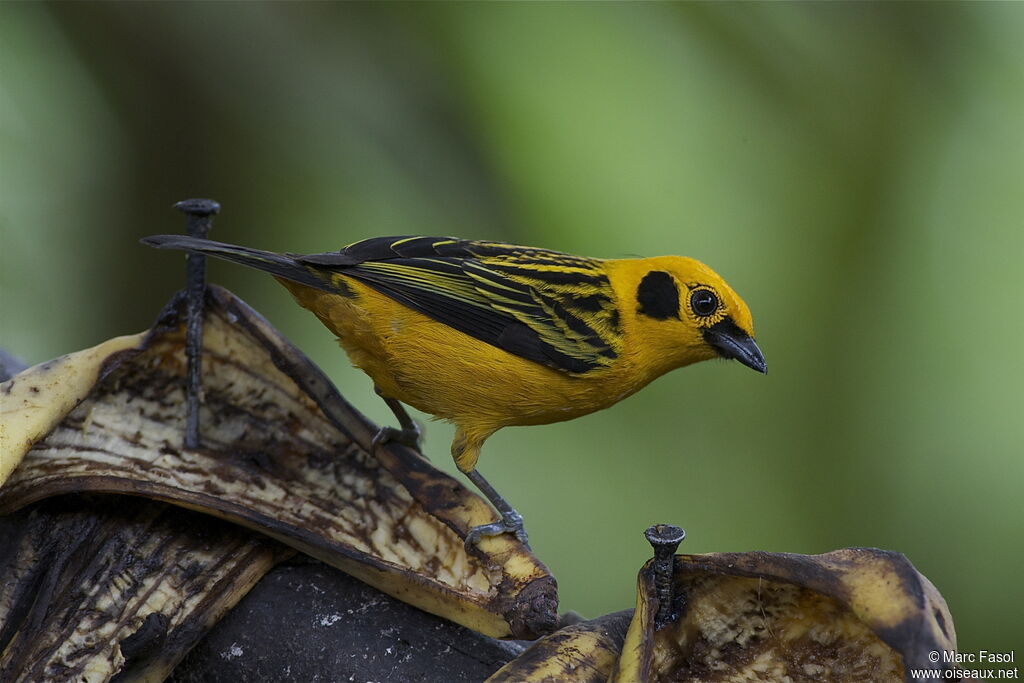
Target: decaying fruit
{"points": [[857, 614], [282, 453], [585, 652], [851, 616]]}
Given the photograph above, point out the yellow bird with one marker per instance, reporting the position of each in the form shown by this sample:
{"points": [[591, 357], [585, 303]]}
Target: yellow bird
{"points": [[488, 335]]}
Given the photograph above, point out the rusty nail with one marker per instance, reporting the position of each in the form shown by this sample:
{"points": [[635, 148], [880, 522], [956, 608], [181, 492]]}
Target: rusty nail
{"points": [[665, 539], [200, 214]]}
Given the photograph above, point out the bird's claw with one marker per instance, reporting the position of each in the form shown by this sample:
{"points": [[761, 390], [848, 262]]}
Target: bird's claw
{"points": [[510, 522], [410, 437]]}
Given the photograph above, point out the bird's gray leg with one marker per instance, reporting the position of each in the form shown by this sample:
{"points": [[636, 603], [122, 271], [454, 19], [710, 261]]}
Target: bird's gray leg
{"points": [[410, 432], [511, 521]]}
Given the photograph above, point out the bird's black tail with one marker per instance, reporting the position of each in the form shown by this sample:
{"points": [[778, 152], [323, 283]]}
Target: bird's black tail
{"points": [[281, 265]]}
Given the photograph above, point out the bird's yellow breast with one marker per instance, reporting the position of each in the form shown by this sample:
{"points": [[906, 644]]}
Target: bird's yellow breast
{"points": [[451, 375]]}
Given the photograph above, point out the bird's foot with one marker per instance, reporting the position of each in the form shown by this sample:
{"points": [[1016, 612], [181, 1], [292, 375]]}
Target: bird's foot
{"points": [[408, 436], [510, 522]]}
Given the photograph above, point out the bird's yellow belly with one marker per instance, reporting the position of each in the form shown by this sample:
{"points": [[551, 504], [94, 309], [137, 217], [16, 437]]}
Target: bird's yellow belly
{"points": [[449, 374]]}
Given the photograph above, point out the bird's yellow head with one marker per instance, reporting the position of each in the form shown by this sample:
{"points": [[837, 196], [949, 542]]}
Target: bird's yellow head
{"points": [[682, 312]]}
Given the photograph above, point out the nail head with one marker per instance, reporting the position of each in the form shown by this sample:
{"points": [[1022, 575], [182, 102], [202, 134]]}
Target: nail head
{"points": [[198, 207], [660, 535]]}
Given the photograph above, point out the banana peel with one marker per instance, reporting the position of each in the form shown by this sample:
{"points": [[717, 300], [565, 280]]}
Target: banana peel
{"points": [[108, 586], [585, 652], [852, 615], [857, 614], [282, 453]]}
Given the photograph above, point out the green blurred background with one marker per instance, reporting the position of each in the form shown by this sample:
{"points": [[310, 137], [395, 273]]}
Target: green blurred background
{"points": [[855, 171]]}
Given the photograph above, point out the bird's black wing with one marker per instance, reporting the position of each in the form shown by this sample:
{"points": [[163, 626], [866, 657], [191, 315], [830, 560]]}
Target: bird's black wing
{"points": [[546, 306]]}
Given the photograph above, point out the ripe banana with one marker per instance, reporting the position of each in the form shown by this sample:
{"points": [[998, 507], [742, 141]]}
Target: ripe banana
{"points": [[581, 653], [857, 614], [852, 615], [283, 453]]}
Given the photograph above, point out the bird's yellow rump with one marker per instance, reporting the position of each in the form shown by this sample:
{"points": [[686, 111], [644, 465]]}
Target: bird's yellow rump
{"points": [[488, 335]]}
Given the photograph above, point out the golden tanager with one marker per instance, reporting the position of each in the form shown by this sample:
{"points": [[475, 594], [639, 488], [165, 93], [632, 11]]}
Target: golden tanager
{"points": [[488, 335]]}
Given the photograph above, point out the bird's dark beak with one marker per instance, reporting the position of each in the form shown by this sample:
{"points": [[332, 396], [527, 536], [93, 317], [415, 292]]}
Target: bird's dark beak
{"points": [[732, 342]]}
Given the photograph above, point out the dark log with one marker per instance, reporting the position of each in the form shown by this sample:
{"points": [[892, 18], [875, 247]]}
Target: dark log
{"points": [[306, 621]]}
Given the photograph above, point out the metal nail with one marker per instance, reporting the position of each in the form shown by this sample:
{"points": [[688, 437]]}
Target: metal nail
{"points": [[665, 539], [200, 214]]}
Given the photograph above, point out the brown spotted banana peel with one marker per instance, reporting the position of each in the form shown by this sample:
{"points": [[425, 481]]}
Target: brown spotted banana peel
{"points": [[850, 615], [585, 652], [282, 452], [97, 587], [30, 410]]}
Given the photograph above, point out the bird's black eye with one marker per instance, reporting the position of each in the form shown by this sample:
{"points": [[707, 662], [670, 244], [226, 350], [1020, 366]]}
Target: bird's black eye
{"points": [[703, 302]]}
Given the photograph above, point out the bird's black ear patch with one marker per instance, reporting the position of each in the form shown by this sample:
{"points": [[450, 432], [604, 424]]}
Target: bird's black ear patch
{"points": [[658, 296]]}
